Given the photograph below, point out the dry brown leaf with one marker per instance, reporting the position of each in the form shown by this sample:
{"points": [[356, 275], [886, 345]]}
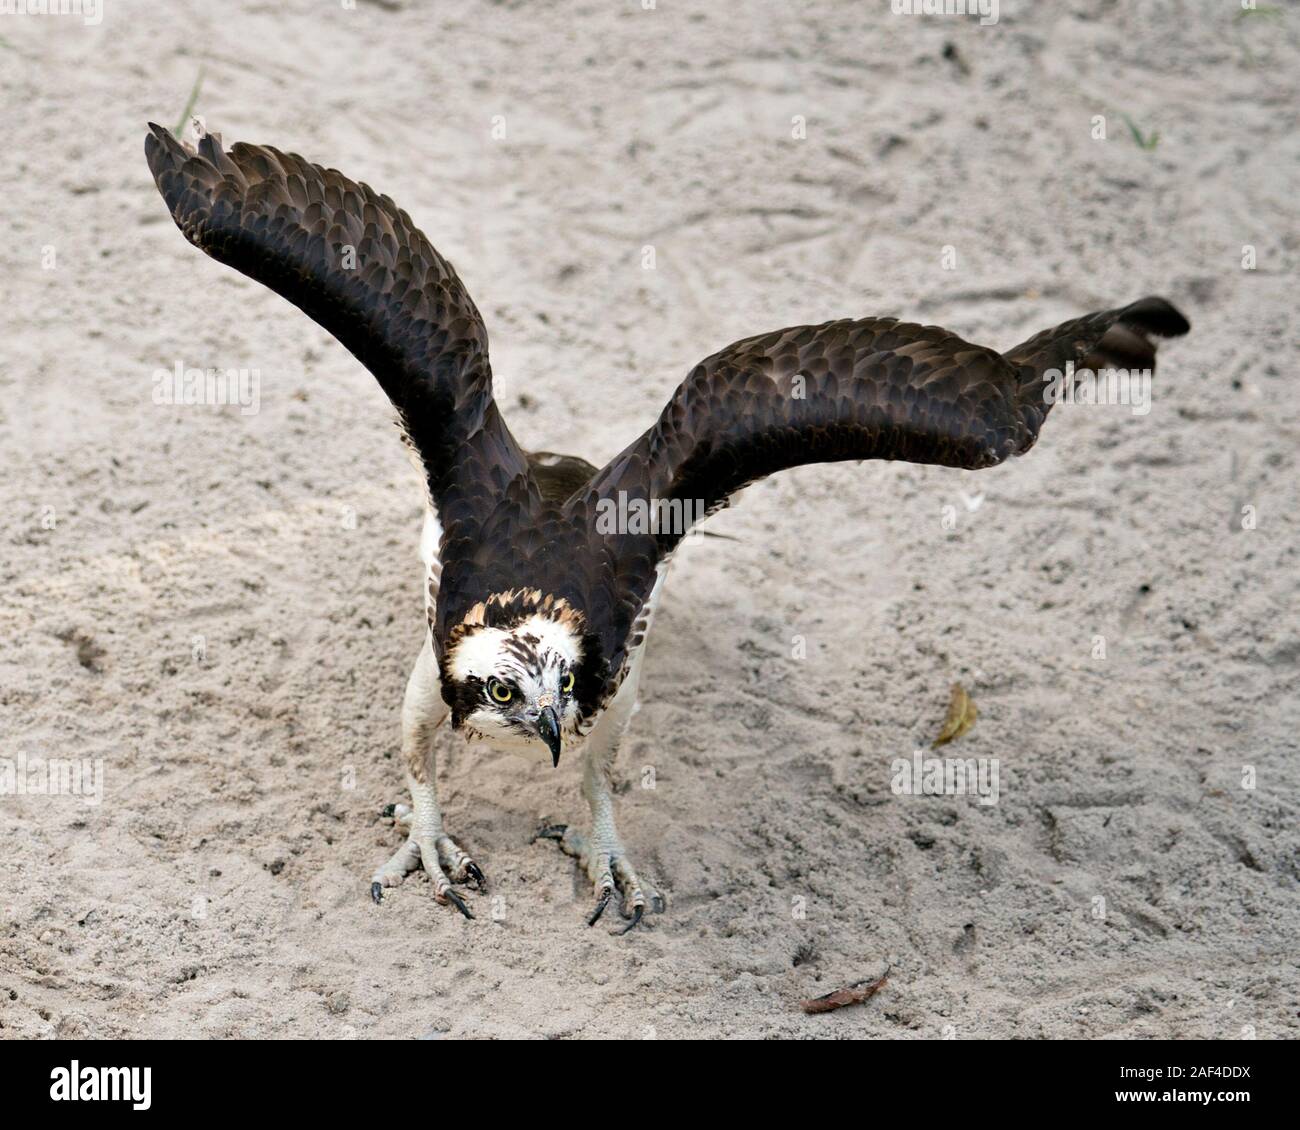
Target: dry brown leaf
{"points": [[854, 994], [961, 716]]}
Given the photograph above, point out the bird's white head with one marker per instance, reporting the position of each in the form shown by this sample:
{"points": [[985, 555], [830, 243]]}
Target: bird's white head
{"points": [[512, 669]]}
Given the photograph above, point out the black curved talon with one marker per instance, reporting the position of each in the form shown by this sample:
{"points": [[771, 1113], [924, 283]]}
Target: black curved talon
{"points": [[636, 917], [471, 869], [377, 892], [600, 906], [459, 903], [550, 832]]}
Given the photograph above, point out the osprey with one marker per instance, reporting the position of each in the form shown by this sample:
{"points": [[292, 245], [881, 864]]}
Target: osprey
{"points": [[543, 571]]}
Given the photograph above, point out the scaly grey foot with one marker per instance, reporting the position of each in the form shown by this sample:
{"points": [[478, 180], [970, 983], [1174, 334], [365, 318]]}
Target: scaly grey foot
{"points": [[609, 869], [441, 857]]}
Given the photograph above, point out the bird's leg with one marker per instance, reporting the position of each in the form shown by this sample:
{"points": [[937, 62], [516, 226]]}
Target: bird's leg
{"points": [[423, 711], [600, 853]]}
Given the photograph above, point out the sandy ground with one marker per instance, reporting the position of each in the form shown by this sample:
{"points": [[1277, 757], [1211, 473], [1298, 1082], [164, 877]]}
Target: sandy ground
{"points": [[221, 608]]}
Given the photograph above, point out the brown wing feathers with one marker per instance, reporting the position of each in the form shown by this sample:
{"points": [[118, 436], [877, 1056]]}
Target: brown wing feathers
{"points": [[1112, 338], [354, 262], [870, 389]]}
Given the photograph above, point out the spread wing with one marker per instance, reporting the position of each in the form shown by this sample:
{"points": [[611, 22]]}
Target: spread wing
{"points": [[870, 389], [354, 262]]}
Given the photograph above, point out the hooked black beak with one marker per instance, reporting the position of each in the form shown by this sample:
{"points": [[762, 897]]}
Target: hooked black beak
{"points": [[548, 729]]}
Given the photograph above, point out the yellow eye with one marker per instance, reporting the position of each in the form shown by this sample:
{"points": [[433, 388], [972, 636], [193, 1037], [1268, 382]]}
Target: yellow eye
{"points": [[567, 685], [498, 690]]}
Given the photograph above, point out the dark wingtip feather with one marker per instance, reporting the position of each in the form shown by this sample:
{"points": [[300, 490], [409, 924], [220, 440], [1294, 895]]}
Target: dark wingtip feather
{"points": [[1157, 316], [158, 139], [1122, 346], [162, 150], [155, 151]]}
